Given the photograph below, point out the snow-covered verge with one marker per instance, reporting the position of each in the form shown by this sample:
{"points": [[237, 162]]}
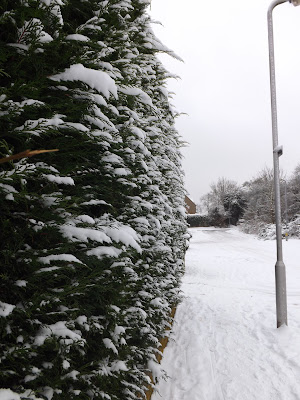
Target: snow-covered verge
{"points": [[224, 343], [268, 231], [92, 236]]}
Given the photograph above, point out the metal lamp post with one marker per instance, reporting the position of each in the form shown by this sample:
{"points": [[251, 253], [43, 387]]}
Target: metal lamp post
{"points": [[280, 274], [286, 209]]}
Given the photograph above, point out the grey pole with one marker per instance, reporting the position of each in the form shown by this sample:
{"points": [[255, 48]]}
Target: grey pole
{"points": [[280, 274]]}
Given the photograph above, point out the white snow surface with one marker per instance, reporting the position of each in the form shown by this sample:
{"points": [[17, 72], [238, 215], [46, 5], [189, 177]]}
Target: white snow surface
{"points": [[133, 91], [7, 394], [6, 309], [84, 234], [224, 343], [77, 36], [103, 251], [58, 329], [63, 180], [59, 257], [98, 80]]}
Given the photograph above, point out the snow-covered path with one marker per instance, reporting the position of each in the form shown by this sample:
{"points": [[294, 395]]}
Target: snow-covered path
{"points": [[224, 343]]}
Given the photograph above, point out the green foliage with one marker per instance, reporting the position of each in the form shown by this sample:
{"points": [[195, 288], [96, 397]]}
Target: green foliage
{"points": [[93, 236], [234, 205], [195, 220], [216, 218]]}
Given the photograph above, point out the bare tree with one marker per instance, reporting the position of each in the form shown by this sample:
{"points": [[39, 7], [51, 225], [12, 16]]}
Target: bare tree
{"points": [[260, 196], [225, 201], [220, 189]]}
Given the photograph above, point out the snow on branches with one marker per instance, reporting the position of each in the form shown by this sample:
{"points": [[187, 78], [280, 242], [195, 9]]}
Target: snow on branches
{"points": [[93, 236]]}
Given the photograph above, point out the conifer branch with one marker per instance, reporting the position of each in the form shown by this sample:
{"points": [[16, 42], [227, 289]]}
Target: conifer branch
{"points": [[25, 29]]}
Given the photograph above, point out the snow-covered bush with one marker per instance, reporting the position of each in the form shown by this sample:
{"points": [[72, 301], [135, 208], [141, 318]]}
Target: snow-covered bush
{"points": [[257, 227], [268, 231], [92, 236], [294, 227]]}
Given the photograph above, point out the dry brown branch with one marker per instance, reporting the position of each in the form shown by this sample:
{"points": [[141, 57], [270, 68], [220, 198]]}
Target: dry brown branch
{"points": [[24, 154]]}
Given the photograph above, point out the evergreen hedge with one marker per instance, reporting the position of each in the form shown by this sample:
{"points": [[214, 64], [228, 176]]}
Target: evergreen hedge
{"points": [[92, 236], [196, 220]]}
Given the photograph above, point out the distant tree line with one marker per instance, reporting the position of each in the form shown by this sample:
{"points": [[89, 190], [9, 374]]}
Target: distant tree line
{"points": [[228, 203]]}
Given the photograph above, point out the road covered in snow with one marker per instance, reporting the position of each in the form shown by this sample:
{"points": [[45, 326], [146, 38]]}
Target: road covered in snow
{"points": [[224, 343]]}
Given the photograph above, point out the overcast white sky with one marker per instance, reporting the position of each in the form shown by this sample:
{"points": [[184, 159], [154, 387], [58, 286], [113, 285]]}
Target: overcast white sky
{"points": [[224, 86]]}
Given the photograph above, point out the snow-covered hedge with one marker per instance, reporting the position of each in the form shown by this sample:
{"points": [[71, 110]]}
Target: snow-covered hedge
{"points": [[92, 236]]}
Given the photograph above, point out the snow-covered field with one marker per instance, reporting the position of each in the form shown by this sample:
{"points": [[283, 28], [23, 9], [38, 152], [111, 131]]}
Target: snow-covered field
{"points": [[224, 343]]}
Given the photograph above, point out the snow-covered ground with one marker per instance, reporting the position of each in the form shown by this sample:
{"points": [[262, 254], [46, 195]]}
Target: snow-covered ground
{"points": [[224, 343]]}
